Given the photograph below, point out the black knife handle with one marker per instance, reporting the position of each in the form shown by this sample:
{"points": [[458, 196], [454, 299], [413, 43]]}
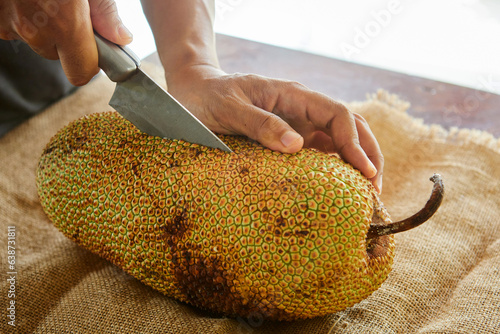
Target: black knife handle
{"points": [[118, 62]]}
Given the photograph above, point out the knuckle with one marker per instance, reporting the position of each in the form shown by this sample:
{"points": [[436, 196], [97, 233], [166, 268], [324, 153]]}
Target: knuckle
{"points": [[347, 146], [378, 157], [360, 119], [103, 7], [295, 85], [342, 109], [269, 122], [268, 125], [253, 77]]}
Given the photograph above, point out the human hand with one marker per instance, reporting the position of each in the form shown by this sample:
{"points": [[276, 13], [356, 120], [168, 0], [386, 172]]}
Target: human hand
{"points": [[63, 29], [281, 115]]}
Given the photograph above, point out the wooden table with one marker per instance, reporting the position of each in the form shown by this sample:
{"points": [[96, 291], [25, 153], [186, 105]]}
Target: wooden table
{"points": [[433, 101]]}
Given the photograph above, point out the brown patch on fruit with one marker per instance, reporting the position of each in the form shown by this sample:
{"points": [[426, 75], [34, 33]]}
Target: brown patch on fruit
{"points": [[78, 139], [206, 283], [377, 247], [175, 228], [203, 281], [243, 170]]}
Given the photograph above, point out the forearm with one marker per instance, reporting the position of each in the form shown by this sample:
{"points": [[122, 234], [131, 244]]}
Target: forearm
{"points": [[183, 32]]}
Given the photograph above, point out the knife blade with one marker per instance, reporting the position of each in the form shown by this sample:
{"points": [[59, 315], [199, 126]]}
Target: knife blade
{"points": [[148, 106]]}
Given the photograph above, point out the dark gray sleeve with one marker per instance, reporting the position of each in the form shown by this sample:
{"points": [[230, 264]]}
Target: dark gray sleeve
{"points": [[28, 83]]}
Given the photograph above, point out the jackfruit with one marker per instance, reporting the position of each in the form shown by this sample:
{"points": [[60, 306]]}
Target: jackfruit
{"points": [[254, 232]]}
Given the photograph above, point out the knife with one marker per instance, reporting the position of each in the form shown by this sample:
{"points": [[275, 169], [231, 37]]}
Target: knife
{"points": [[146, 104]]}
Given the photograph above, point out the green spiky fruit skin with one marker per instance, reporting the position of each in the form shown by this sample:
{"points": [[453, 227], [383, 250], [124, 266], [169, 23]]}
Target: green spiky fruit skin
{"points": [[243, 233]]}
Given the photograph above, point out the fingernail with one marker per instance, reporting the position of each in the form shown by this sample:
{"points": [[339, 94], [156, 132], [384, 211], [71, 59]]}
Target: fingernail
{"points": [[379, 183], [373, 169], [289, 138], [124, 33]]}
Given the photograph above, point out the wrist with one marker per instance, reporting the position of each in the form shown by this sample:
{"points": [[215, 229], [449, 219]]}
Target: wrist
{"points": [[183, 76]]}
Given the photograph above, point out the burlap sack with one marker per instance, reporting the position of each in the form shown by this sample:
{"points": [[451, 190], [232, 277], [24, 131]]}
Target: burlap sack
{"points": [[446, 276]]}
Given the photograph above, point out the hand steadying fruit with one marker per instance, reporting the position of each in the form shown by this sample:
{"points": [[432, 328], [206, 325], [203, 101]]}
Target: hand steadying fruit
{"points": [[281, 115]]}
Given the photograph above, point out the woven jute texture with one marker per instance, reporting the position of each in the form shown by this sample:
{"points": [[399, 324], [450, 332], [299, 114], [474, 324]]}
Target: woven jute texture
{"points": [[446, 276]]}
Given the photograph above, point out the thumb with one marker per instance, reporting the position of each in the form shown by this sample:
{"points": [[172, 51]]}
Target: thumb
{"points": [[270, 130], [105, 20]]}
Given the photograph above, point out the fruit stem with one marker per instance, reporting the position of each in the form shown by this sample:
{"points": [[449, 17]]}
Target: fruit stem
{"points": [[420, 217]]}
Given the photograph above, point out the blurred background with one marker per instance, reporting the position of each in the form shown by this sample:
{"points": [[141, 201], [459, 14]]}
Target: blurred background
{"points": [[454, 41]]}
